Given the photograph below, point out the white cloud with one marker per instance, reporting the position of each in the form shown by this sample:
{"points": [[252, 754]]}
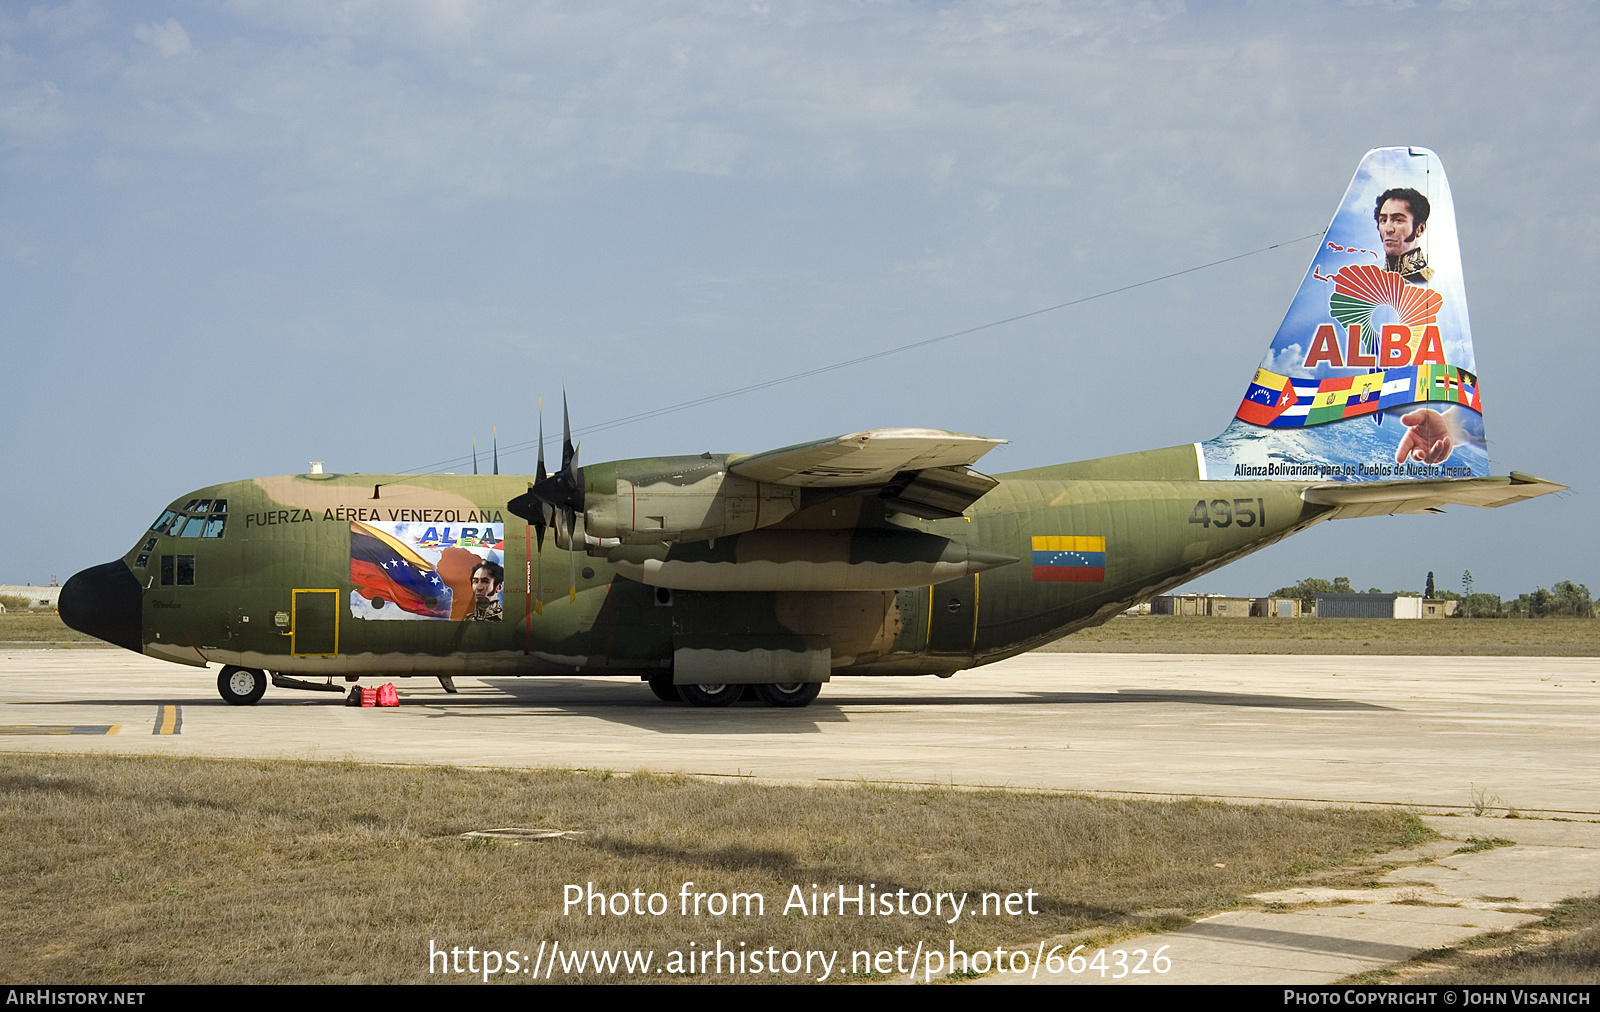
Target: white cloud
{"points": [[169, 39]]}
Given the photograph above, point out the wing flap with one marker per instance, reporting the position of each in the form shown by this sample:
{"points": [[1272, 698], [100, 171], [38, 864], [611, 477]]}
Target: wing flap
{"points": [[1381, 498], [936, 493], [874, 457]]}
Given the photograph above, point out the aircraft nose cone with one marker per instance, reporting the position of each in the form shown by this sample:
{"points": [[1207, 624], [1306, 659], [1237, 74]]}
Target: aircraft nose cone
{"points": [[104, 602]]}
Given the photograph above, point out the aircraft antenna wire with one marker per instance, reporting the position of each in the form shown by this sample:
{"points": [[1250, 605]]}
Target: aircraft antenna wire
{"points": [[872, 357]]}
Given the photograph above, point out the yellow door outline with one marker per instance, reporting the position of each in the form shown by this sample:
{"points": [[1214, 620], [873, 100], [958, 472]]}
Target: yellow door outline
{"points": [[294, 622]]}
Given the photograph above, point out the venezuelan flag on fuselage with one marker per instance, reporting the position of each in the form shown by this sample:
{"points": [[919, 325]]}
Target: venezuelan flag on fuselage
{"points": [[1068, 558], [383, 568]]}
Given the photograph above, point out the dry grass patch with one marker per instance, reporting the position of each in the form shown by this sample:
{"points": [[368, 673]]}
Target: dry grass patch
{"points": [[183, 870], [1554, 637], [38, 627], [1564, 949]]}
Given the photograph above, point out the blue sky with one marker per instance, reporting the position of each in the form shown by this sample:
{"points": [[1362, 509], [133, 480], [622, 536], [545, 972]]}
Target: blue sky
{"points": [[237, 237]]}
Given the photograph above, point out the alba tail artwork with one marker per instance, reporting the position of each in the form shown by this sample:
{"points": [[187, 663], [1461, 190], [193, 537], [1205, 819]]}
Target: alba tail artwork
{"points": [[1371, 377], [883, 552]]}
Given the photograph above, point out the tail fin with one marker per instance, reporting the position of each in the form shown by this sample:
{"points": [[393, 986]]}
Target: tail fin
{"points": [[1371, 376]]}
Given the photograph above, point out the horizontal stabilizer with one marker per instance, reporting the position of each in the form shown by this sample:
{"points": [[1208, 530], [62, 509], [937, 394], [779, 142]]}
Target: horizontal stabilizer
{"points": [[873, 457], [1381, 498]]}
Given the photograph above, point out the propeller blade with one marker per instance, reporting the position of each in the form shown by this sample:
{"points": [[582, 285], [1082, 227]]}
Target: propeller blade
{"points": [[541, 474], [474, 454], [496, 431], [538, 575], [568, 452], [572, 556]]}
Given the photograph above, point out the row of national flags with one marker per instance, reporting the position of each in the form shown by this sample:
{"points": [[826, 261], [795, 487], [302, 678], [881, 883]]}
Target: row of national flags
{"points": [[1288, 402]]}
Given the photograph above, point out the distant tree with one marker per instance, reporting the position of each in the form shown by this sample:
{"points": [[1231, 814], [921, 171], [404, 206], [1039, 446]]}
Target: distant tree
{"points": [[1480, 606], [1341, 585], [1534, 605], [1428, 590], [1565, 600], [1306, 590], [1572, 600]]}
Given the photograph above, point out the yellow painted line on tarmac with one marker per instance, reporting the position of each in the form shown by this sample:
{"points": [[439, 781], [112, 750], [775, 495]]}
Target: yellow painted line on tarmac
{"points": [[60, 728], [169, 719]]}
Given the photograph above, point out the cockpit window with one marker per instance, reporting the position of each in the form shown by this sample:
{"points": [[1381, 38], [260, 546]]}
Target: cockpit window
{"points": [[200, 518]]}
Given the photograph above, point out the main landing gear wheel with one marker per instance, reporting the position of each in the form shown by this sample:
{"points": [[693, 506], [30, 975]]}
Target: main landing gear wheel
{"points": [[662, 686], [710, 695], [789, 694], [241, 686]]}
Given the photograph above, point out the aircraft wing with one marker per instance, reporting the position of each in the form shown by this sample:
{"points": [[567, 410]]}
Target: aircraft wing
{"points": [[862, 458], [1380, 498], [919, 471]]}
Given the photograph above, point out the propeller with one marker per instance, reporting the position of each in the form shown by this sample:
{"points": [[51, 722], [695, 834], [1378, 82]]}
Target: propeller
{"points": [[554, 500], [563, 491]]}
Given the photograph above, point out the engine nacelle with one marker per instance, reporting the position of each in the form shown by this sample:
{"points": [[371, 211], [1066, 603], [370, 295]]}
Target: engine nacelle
{"points": [[651, 501]]}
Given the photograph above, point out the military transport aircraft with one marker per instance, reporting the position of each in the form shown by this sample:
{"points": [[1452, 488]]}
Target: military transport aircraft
{"points": [[874, 553]]}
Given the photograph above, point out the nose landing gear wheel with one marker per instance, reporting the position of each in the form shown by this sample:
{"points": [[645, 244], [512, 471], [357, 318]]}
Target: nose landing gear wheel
{"points": [[241, 686], [710, 695], [789, 694], [662, 686]]}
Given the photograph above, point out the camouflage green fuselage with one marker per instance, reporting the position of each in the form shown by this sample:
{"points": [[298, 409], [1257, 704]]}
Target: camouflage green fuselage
{"points": [[274, 591]]}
